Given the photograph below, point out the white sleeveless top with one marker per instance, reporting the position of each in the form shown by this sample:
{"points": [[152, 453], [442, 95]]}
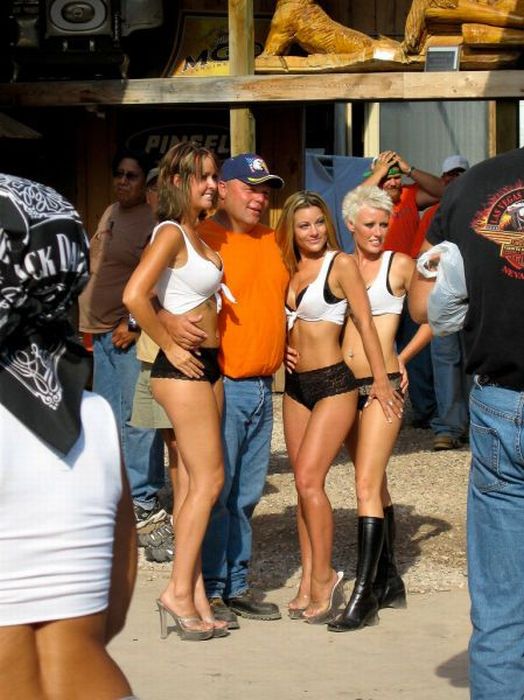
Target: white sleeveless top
{"points": [[57, 518], [381, 299], [182, 289], [312, 305]]}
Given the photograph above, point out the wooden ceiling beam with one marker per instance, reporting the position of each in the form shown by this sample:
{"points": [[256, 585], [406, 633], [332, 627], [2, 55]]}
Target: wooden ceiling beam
{"points": [[269, 88]]}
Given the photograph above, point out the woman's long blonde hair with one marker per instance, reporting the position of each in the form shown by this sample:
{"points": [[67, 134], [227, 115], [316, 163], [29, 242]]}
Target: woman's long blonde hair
{"points": [[185, 160], [285, 230]]}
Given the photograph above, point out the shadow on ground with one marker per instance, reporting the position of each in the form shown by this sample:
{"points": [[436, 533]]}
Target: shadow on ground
{"points": [[276, 559], [455, 670]]}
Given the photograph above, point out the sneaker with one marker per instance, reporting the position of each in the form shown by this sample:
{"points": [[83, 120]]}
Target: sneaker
{"points": [[161, 554], [223, 613], [445, 442], [155, 534], [144, 516]]}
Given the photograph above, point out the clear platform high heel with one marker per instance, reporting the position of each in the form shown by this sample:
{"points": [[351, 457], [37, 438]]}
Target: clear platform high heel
{"points": [[182, 625]]}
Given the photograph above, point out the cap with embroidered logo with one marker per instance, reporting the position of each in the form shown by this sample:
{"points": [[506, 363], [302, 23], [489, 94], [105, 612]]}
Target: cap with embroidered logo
{"points": [[250, 169]]}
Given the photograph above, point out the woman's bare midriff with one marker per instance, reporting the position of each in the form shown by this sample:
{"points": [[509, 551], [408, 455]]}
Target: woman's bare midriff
{"points": [[209, 322], [353, 350], [317, 342]]}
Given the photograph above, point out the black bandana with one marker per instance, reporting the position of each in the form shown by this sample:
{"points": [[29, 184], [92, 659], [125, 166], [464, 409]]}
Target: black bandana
{"points": [[43, 268]]}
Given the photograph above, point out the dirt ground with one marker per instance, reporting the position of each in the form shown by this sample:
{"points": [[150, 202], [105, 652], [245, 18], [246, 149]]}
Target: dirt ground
{"points": [[413, 653], [429, 492]]}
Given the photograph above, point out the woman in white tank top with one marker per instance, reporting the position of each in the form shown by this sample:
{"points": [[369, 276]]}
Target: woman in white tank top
{"points": [[320, 393], [67, 529], [370, 442], [185, 275]]}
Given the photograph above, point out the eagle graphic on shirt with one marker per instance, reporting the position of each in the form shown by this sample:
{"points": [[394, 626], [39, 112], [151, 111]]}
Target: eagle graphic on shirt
{"points": [[501, 221]]}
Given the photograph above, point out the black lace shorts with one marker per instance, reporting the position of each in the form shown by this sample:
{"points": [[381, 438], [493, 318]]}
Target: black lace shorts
{"points": [[163, 369], [309, 387], [365, 383]]}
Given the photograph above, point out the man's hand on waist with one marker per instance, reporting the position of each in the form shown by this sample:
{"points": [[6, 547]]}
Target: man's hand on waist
{"points": [[122, 337], [183, 329]]}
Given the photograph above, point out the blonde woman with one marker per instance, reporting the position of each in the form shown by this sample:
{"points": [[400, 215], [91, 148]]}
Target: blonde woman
{"points": [[320, 394], [387, 277]]}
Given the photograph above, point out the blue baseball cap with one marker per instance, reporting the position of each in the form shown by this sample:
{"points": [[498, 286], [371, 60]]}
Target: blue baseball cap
{"points": [[251, 169]]}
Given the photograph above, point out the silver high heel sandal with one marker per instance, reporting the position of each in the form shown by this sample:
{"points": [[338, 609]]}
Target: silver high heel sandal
{"points": [[336, 599], [181, 625]]}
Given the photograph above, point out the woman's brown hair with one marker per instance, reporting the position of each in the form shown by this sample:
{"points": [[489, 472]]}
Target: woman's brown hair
{"points": [[185, 160]]}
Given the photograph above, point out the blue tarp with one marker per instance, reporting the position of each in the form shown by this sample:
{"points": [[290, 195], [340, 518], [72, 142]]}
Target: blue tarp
{"points": [[332, 177]]}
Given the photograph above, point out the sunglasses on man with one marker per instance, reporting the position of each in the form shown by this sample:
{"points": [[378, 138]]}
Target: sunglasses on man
{"points": [[127, 174]]}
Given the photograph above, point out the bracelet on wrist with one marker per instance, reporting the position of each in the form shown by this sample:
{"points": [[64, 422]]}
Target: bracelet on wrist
{"points": [[132, 325]]}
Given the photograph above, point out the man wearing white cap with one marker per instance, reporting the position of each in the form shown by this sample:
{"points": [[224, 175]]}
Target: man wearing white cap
{"points": [[450, 423]]}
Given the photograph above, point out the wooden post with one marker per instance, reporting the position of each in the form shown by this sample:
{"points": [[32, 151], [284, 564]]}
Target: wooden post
{"points": [[241, 62], [503, 126]]}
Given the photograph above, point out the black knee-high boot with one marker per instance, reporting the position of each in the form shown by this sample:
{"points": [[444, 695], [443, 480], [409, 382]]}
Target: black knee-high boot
{"points": [[363, 606], [389, 588]]}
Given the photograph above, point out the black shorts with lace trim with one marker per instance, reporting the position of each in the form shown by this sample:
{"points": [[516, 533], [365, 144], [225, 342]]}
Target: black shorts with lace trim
{"points": [[364, 385], [163, 369], [307, 388]]}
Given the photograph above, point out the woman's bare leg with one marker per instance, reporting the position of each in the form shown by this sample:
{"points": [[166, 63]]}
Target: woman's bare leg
{"points": [[295, 419], [193, 409], [370, 453], [326, 429]]}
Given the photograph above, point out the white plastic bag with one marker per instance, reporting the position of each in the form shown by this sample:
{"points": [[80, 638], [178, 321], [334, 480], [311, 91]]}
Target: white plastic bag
{"points": [[448, 300]]}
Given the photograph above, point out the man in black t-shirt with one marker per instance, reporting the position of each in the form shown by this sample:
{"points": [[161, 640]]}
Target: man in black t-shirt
{"points": [[483, 213]]}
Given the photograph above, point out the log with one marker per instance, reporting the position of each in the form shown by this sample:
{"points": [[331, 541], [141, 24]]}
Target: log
{"points": [[471, 12], [483, 35]]}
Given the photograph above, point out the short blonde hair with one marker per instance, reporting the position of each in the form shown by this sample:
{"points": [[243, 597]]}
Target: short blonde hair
{"points": [[285, 230], [362, 196]]}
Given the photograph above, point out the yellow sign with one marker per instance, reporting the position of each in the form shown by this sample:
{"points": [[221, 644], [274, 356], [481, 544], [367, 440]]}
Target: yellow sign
{"points": [[203, 45]]}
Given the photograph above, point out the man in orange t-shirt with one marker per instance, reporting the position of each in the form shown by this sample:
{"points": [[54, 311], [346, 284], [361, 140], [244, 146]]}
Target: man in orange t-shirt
{"points": [[252, 339]]}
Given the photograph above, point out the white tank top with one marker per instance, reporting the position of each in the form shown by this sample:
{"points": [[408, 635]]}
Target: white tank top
{"points": [[312, 305], [182, 289], [57, 518], [381, 298]]}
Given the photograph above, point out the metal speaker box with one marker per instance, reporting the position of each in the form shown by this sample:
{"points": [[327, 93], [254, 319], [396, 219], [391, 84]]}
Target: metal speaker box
{"points": [[77, 18]]}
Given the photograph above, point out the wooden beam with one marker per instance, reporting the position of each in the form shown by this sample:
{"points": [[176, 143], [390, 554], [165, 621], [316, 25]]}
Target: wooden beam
{"points": [[245, 90], [241, 62]]}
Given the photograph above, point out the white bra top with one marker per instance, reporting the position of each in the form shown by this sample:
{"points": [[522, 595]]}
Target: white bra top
{"points": [[381, 298], [182, 289], [312, 304]]}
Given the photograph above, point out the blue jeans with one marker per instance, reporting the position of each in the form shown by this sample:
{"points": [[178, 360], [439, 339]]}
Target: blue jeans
{"points": [[496, 543], [451, 386], [115, 375], [247, 424], [420, 371]]}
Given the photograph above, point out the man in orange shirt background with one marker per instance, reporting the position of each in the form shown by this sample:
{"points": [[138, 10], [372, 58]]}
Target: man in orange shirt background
{"points": [[252, 340], [403, 237]]}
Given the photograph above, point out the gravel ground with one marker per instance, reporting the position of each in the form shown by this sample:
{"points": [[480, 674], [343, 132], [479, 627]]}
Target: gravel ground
{"points": [[429, 492]]}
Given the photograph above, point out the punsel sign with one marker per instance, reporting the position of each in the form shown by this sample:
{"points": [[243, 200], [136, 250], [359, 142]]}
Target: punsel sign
{"points": [[156, 141]]}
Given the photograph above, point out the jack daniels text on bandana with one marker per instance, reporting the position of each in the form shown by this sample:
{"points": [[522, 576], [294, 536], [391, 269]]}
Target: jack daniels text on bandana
{"points": [[43, 268]]}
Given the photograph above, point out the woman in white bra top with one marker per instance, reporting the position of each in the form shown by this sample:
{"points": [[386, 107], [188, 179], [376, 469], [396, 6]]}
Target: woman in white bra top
{"points": [[370, 442], [320, 396], [185, 274]]}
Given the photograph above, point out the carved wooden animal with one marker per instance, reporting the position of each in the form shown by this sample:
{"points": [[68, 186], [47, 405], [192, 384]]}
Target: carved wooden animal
{"points": [[305, 23], [494, 13]]}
